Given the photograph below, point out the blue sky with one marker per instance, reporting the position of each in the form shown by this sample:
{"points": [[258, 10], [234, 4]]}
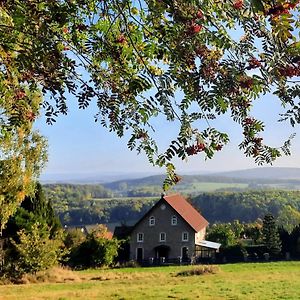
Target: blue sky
{"points": [[78, 145]]}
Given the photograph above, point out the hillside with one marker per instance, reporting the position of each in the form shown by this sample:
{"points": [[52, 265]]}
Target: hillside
{"points": [[263, 173], [258, 178]]}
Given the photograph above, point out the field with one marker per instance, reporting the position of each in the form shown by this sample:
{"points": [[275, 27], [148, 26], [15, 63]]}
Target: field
{"points": [[205, 187], [233, 281]]}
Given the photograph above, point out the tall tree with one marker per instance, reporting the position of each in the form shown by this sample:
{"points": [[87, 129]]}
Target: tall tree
{"points": [[33, 210], [175, 59], [270, 234], [223, 234]]}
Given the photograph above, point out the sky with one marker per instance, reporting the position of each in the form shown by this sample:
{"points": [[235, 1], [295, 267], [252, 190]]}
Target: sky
{"points": [[80, 147]]}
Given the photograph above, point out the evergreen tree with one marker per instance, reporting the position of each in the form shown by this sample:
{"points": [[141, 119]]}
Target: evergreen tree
{"points": [[36, 209], [295, 242], [33, 235], [271, 236]]}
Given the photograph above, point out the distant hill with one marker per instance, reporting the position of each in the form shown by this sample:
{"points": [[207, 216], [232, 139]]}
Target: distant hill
{"points": [[260, 178], [269, 174], [89, 178], [265, 173]]}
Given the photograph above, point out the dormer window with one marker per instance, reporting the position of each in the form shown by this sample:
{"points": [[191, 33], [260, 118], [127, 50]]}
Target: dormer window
{"points": [[152, 221], [174, 220]]}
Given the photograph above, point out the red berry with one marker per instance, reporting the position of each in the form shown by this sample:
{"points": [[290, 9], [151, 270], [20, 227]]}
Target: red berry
{"points": [[289, 71], [121, 39], [30, 116], [258, 140], [238, 4], [20, 94], [195, 28], [200, 147], [248, 121], [199, 14], [253, 63], [246, 82]]}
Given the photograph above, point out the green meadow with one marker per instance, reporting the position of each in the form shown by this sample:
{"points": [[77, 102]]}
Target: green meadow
{"points": [[232, 281]]}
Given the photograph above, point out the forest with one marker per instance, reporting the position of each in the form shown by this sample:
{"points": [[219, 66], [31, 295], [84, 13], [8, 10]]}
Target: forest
{"points": [[91, 204]]}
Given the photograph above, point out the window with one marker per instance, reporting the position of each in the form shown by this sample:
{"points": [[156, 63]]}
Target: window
{"points": [[185, 236], [140, 237], [174, 220], [162, 237], [151, 221]]}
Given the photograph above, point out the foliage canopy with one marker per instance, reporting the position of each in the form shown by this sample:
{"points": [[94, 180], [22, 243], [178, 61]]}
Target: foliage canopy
{"points": [[139, 60]]}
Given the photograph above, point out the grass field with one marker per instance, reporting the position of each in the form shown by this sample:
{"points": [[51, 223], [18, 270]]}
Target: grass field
{"points": [[199, 187], [233, 281]]}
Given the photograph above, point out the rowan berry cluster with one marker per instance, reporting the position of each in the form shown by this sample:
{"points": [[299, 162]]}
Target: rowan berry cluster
{"points": [[246, 82], [248, 121], [238, 4], [194, 26], [281, 9], [289, 71], [20, 94], [253, 63], [194, 149]]}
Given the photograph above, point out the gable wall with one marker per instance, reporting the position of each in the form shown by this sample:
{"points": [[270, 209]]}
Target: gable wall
{"points": [[162, 224], [199, 236]]}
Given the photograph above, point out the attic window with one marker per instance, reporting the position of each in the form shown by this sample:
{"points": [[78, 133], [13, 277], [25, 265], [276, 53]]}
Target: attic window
{"points": [[174, 220], [152, 221]]}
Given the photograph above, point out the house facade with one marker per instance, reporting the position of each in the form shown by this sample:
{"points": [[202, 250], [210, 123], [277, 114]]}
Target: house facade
{"points": [[171, 229]]}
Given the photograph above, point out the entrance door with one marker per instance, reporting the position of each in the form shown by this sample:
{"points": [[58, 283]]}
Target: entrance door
{"points": [[139, 254], [162, 252], [185, 253]]}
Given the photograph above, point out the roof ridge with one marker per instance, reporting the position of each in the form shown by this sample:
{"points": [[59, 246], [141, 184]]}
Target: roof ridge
{"points": [[187, 211]]}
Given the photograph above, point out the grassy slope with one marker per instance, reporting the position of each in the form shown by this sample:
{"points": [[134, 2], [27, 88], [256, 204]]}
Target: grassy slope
{"points": [[237, 281]]}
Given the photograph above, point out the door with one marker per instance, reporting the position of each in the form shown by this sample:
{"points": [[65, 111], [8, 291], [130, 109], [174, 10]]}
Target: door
{"points": [[162, 252], [139, 254], [185, 253]]}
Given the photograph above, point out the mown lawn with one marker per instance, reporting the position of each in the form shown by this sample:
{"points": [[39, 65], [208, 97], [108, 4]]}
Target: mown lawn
{"points": [[233, 281]]}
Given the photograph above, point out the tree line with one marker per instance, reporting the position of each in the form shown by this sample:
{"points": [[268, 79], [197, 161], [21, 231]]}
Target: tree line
{"points": [[75, 204], [247, 206]]}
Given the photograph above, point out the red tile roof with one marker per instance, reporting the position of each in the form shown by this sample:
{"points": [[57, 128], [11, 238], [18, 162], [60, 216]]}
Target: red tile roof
{"points": [[186, 211]]}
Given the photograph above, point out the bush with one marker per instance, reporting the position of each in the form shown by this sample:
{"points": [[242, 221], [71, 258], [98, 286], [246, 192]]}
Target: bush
{"points": [[199, 270], [35, 250], [94, 252], [234, 253]]}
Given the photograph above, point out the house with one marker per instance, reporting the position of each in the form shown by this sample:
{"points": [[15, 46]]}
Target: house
{"points": [[103, 230], [171, 230]]}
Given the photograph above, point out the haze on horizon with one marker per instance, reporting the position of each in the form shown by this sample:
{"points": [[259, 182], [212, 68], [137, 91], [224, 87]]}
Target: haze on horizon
{"points": [[79, 146]]}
